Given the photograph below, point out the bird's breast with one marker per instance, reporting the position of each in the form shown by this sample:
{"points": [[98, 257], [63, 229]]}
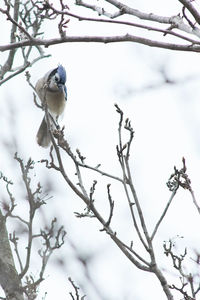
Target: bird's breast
{"points": [[56, 102]]}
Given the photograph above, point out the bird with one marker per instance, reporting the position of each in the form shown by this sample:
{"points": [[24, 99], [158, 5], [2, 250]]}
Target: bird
{"points": [[52, 91]]}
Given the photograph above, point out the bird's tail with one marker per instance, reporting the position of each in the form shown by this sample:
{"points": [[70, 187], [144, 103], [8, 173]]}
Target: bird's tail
{"points": [[43, 136]]}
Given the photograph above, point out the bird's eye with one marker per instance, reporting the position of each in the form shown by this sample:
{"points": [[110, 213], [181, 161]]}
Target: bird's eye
{"points": [[56, 78]]}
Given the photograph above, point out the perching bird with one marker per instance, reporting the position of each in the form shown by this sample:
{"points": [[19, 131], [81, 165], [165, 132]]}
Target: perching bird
{"points": [[51, 90]]}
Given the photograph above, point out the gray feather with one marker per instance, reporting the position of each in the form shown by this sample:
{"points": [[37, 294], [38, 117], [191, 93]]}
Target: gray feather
{"points": [[43, 136]]}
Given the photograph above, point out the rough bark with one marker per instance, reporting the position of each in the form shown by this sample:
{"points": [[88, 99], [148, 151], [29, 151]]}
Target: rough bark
{"points": [[9, 279]]}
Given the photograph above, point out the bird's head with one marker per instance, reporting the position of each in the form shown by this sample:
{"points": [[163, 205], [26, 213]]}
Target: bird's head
{"points": [[57, 78]]}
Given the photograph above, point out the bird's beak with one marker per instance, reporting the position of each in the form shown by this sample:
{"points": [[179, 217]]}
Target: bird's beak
{"points": [[61, 87]]}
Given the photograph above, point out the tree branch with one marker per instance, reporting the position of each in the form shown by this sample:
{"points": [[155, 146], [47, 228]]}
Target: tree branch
{"points": [[192, 9], [9, 279], [9, 62], [103, 39], [164, 213], [174, 21]]}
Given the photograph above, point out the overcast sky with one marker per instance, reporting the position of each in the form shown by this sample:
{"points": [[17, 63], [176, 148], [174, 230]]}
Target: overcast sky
{"points": [[166, 123]]}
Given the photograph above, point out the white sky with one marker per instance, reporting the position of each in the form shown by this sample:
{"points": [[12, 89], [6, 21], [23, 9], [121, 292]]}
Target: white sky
{"points": [[166, 123]]}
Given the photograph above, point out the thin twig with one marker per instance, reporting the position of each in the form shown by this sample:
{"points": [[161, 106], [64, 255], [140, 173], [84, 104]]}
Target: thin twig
{"points": [[126, 180], [14, 240], [192, 9], [194, 200], [111, 203], [164, 213]]}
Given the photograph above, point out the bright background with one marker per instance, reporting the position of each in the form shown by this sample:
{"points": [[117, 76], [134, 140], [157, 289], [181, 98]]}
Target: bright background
{"points": [[165, 118]]}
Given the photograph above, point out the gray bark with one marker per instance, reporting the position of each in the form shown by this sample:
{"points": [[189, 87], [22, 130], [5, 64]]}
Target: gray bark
{"points": [[9, 278]]}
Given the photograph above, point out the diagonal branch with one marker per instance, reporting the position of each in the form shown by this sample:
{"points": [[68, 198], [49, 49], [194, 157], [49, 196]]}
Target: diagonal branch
{"points": [[131, 11], [192, 9], [174, 21], [87, 200], [9, 62], [164, 213]]}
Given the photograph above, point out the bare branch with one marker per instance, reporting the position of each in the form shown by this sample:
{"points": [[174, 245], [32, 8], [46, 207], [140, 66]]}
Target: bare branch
{"points": [[9, 278], [9, 62], [191, 47], [76, 290], [87, 200], [14, 240], [192, 9], [22, 12], [180, 178], [21, 69], [174, 21], [164, 212], [100, 10], [189, 285], [111, 203], [13, 21], [52, 238], [194, 200], [127, 181]]}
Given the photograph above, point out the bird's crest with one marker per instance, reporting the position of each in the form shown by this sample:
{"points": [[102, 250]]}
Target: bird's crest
{"points": [[62, 73]]}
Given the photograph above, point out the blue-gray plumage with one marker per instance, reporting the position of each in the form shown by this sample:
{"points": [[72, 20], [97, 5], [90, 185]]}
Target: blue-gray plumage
{"points": [[52, 90]]}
